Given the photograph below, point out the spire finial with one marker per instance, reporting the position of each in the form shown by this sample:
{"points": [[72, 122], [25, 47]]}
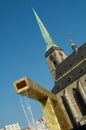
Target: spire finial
{"points": [[47, 39], [73, 45]]}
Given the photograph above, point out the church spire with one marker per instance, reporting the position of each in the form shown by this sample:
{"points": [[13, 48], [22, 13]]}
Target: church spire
{"points": [[47, 38], [54, 55]]}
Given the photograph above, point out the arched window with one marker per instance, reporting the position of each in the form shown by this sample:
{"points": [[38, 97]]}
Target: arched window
{"points": [[67, 108], [79, 101], [52, 58]]}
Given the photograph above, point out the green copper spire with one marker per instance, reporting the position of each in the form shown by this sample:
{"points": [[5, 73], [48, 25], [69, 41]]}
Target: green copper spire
{"points": [[47, 39]]}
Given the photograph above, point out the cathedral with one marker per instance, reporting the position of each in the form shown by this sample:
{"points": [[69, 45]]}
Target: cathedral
{"points": [[69, 75]]}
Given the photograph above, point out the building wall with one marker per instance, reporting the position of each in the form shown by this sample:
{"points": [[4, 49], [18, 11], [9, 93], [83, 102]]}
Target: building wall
{"points": [[70, 87], [54, 56], [73, 101], [12, 127]]}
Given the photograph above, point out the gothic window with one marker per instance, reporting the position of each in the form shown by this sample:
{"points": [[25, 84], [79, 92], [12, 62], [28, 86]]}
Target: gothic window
{"points": [[60, 53], [66, 106], [79, 101], [52, 58]]}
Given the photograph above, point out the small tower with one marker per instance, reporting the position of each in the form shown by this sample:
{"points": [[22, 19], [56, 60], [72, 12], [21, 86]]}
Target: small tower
{"points": [[73, 45], [54, 55]]}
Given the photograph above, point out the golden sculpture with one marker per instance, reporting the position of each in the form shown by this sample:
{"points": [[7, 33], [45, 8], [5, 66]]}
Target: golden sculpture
{"points": [[52, 111]]}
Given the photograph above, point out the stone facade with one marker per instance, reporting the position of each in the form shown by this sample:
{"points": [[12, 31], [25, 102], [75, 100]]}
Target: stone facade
{"points": [[54, 56], [70, 87]]}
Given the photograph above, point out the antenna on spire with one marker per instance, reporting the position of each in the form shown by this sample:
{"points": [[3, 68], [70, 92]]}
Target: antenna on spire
{"points": [[73, 45]]}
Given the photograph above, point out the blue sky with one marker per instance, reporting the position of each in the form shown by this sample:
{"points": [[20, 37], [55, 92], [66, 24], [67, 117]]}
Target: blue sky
{"points": [[22, 49]]}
